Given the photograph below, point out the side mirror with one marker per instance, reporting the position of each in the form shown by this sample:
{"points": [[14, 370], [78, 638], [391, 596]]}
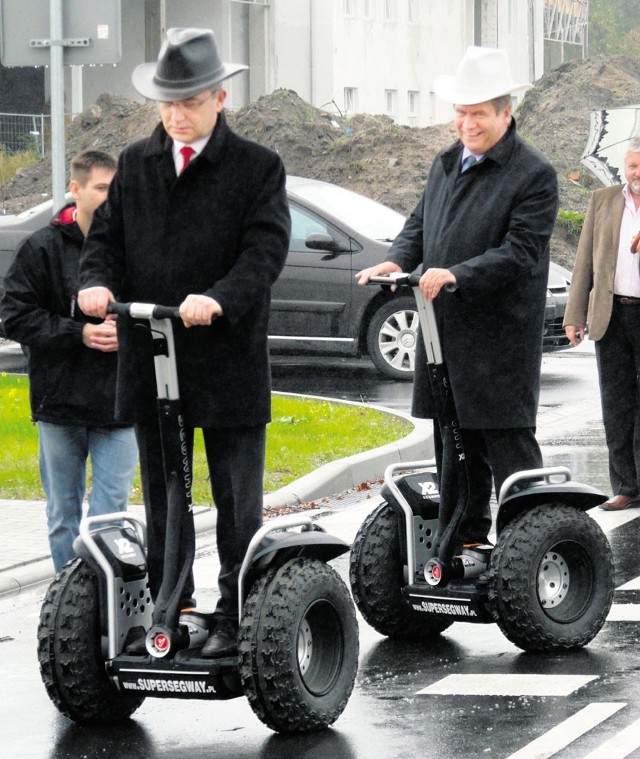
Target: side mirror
{"points": [[323, 241]]}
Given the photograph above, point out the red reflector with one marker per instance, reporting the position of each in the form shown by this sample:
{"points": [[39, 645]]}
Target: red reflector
{"points": [[161, 642]]}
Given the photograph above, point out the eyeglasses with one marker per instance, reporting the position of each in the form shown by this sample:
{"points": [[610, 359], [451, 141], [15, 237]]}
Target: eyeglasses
{"points": [[189, 105]]}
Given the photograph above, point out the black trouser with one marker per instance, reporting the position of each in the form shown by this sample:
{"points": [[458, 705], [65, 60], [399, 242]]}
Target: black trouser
{"points": [[618, 357], [491, 456], [235, 458]]}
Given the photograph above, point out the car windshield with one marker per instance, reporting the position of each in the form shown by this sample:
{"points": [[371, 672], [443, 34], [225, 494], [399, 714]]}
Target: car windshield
{"points": [[365, 216]]}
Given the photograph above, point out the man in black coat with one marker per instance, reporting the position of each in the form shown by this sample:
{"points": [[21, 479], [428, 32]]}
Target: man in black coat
{"points": [[481, 232], [72, 365], [196, 217]]}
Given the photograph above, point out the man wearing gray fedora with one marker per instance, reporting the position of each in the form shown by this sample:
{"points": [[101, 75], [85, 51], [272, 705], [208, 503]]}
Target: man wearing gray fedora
{"points": [[196, 217], [481, 232]]}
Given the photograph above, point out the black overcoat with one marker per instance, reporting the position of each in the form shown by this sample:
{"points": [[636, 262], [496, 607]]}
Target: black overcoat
{"points": [[491, 227], [220, 229], [69, 383]]}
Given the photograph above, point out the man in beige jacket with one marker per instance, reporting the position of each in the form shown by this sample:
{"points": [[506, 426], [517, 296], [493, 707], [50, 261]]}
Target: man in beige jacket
{"points": [[605, 299]]}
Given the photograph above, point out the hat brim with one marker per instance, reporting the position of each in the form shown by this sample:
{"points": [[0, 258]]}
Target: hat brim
{"points": [[445, 87], [143, 79]]}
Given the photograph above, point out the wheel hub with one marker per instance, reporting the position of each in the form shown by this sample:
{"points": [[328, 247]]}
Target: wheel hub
{"points": [[407, 339], [553, 580], [305, 646]]}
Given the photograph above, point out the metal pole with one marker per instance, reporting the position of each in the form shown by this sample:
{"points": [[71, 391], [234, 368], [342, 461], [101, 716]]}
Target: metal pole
{"points": [[57, 104]]}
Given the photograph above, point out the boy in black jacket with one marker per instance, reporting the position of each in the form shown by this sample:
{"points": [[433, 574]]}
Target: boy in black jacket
{"points": [[72, 364]]}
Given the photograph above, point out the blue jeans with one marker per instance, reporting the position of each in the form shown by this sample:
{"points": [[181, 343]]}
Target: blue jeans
{"points": [[63, 467]]}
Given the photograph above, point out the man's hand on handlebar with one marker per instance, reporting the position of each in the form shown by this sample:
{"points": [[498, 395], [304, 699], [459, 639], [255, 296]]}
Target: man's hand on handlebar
{"points": [[94, 301], [386, 267], [199, 310], [433, 280]]}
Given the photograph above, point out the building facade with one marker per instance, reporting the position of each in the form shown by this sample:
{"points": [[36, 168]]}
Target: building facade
{"points": [[346, 56]]}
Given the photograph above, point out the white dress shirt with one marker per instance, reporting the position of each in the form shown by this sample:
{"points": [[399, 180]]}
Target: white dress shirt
{"points": [[627, 277]]}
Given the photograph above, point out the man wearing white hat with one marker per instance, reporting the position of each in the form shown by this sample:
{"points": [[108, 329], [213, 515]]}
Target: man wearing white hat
{"points": [[481, 232], [196, 217]]}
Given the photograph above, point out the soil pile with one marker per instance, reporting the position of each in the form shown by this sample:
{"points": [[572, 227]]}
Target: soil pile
{"points": [[372, 154]]}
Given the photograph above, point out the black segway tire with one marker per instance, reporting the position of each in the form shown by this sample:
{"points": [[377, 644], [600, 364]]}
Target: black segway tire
{"points": [[551, 579], [69, 650], [376, 577], [298, 646]]}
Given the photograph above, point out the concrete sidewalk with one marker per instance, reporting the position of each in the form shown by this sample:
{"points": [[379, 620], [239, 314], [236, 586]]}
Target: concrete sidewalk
{"points": [[25, 559]]}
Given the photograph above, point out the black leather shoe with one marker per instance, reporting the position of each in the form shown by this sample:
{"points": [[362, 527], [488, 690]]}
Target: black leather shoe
{"points": [[222, 642]]}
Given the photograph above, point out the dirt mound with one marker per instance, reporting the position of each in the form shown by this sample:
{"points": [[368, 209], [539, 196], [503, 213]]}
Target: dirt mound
{"points": [[555, 115], [369, 154], [372, 154]]}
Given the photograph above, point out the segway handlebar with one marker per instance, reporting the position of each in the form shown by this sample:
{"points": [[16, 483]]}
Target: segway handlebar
{"points": [[426, 314], [144, 310], [398, 278]]}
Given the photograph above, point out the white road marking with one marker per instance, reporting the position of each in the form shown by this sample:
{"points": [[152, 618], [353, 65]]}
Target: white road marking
{"points": [[631, 585], [507, 685], [624, 613], [568, 731], [609, 520], [621, 745]]}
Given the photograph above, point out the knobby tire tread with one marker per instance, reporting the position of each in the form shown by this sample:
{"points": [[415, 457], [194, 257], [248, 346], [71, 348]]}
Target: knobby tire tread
{"points": [[272, 612], [69, 651], [376, 577], [512, 587]]}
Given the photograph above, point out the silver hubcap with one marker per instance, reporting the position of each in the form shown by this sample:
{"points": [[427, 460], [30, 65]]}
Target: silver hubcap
{"points": [[553, 580], [397, 340]]}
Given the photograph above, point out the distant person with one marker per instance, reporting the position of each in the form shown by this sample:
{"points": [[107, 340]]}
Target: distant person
{"points": [[604, 299], [72, 364], [197, 217], [481, 232]]}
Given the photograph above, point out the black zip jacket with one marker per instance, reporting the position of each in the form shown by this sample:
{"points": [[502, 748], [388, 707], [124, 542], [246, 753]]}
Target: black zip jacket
{"points": [[69, 383]]}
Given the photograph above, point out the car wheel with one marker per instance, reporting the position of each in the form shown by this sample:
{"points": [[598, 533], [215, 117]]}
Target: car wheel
{"points": [[551, 579], [392, 337], [376, 575]]}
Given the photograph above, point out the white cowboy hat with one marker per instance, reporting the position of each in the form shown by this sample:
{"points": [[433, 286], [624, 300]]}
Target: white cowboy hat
{"points": [[188, 63], [483, 74]]}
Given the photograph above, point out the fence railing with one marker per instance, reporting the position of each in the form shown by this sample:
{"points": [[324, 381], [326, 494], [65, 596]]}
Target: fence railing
{"points": [[25, 131]]}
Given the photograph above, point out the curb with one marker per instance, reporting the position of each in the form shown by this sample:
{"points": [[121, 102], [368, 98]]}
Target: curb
{"points": [[329, 479]]}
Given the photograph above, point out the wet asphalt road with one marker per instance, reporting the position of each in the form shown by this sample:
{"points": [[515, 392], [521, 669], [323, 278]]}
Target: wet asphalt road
{"points": [[471, 694]]}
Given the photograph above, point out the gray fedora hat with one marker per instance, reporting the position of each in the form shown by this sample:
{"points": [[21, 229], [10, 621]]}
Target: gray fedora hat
{"points": [[188, 63]]}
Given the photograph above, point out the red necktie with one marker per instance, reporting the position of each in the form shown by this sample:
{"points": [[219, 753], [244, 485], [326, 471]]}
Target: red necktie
{"points": [[186, 152]]}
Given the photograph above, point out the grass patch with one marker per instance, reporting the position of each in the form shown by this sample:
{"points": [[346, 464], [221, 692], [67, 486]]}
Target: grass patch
{"points": [[11, 162], [303, 435]]}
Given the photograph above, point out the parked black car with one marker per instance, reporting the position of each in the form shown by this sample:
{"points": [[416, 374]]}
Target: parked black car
{"points": [[317, 307]]}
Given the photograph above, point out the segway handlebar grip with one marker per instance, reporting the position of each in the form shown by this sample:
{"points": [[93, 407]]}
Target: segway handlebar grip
{"points": [[399, 278], [144, 310]]}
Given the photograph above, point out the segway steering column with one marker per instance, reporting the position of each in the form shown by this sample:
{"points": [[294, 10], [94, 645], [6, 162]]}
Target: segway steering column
{"points": [[165, 634], [454, 484]]}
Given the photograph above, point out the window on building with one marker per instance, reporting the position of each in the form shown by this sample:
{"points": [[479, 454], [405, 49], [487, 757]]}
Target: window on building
{"points": [[349, 7], [390, 102], [389, 10], [368, 8], [412, 11], [413, 103], [350, 100]]}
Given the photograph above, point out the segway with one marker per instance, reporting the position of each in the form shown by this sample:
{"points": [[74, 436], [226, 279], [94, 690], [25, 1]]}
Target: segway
{"points": [[549, 581], [298, 638]]}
